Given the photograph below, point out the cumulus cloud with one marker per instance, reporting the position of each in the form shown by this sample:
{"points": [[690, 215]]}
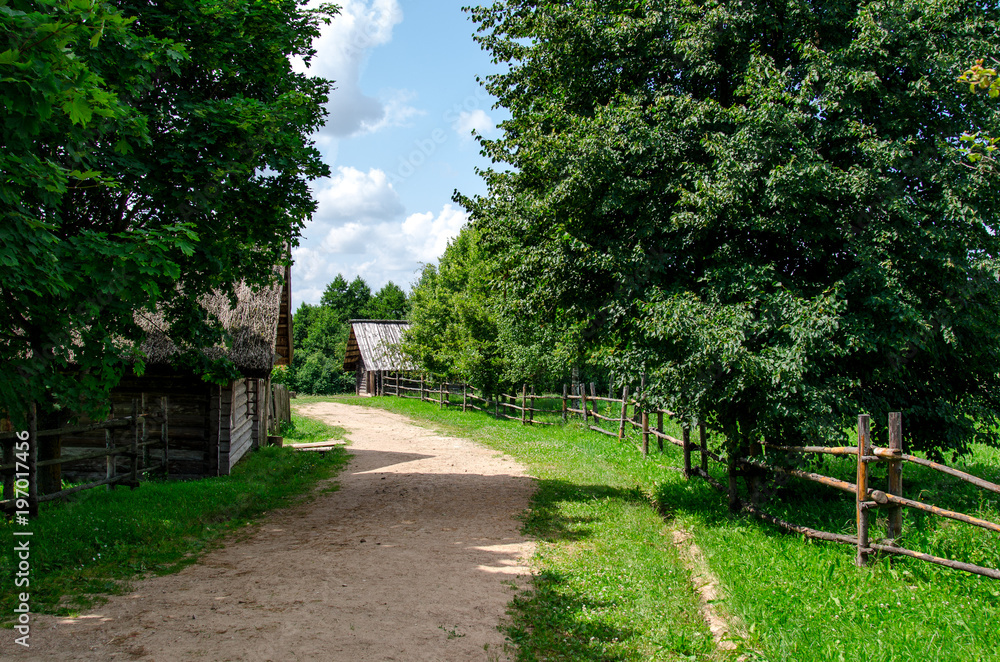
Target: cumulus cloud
{"points": [[378, 251], [429, 234], [352, 195], [341, 51], [476, 120]]}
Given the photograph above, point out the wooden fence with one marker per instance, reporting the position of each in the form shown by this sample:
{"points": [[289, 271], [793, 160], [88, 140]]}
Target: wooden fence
{"points": [[615, 411], [131, 437], [279, 408]]}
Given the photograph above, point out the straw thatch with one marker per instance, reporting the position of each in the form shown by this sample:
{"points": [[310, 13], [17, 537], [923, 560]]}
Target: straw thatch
{"points": [[375, 344], [252, 323]]}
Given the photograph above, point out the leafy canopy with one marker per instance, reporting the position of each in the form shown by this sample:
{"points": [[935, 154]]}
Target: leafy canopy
{"points": [[758, 205], [153, 153]]}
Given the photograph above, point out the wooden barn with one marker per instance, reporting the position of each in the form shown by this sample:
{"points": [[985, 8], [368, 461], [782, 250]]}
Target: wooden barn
{"points": [[373, 350], [211, 426]]}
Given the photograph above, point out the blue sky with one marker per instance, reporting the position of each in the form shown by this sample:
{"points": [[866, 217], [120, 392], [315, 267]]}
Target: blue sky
{"points": [[398, 141]]}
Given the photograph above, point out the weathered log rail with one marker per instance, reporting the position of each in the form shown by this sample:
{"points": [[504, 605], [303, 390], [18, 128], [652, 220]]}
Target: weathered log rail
{"points": [[21, 464], [588, 406]]}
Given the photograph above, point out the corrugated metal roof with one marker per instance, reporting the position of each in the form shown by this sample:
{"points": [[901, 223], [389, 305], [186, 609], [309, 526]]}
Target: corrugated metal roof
{"points": [[376, 344]]}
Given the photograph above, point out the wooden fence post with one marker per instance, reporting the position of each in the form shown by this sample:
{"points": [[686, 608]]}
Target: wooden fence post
{"points": [[111, 461], [134, 431], [145, 427], [659, 428], [895, 528], [864, 451], [564, 404], [686, 438], [531, 410], [421, 387], [583, 404], [732, 469], [524, 402], [645, 433], [703, 438], [165, 438], [621, 419], [465, 389], [637, 412], [33, 460], [442, 388]]}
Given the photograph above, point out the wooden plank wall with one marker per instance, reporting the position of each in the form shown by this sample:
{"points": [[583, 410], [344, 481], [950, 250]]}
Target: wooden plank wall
{"points": [[241, 434], [281, 407], [189, 430]]}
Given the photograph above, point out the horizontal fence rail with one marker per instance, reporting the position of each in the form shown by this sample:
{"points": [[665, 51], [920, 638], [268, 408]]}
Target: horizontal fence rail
{"points": [[21, 450], [614, 413]]}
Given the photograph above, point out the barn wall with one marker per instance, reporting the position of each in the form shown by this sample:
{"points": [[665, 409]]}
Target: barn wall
{"points": [[188, 399], [241, 424], [361, 380]]}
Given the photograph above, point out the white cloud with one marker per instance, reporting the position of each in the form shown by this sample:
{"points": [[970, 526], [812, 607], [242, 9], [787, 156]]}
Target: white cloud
{"points": [[429, 235], [341, 51], [377, 250], [352, 195], [476, 120]]}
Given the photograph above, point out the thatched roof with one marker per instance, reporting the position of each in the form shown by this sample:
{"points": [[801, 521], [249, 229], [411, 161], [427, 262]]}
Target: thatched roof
{"points": [[252, 323], [375, 343]]}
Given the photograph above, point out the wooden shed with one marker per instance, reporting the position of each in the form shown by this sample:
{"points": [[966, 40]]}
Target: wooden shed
{"points": [[212, 426], [373, 350]]}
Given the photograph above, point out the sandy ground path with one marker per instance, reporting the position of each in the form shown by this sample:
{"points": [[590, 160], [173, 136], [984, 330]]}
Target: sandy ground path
{"points": [[412, 559]]}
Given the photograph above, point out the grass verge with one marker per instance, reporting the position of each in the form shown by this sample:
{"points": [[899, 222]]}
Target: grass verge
{"points": [[94, 544], [604, 591]]}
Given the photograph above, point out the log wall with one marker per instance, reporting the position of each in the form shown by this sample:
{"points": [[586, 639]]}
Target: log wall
{"points": [[189, 425], [240, 426]]}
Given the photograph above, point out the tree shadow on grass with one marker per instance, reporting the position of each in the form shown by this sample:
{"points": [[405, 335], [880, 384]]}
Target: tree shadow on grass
{"points": [[553, 621], [546, 521]]}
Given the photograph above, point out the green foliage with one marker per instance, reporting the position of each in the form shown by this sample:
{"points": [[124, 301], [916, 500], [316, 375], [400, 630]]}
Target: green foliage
{"points": [[453, 333], [347, 301], [100, 539], [756, 204], [980, 145], [140, 155], [389, 303]]}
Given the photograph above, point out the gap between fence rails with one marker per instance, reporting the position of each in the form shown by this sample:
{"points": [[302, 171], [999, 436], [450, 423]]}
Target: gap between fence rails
{"points": [[112, 450]]}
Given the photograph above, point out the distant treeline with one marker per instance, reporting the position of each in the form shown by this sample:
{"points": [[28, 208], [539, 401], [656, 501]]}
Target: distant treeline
{"points": [[320, 332]]}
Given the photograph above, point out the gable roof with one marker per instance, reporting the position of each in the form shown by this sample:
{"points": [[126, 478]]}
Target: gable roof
{"points": [[375, 344]]}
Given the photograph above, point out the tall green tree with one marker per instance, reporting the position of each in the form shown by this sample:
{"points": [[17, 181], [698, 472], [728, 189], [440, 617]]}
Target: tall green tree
{"points": [[389, 303], [153, 152], [453, 331], [347, 300], [758, 205]]}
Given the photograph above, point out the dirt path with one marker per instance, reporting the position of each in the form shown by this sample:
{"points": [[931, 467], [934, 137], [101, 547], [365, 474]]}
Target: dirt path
{"points": [[412, 559]]}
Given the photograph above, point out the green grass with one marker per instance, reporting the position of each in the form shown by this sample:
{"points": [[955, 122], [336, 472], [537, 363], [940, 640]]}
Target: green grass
{"points": [[791, 598], [98, 541], [308, 430]]}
